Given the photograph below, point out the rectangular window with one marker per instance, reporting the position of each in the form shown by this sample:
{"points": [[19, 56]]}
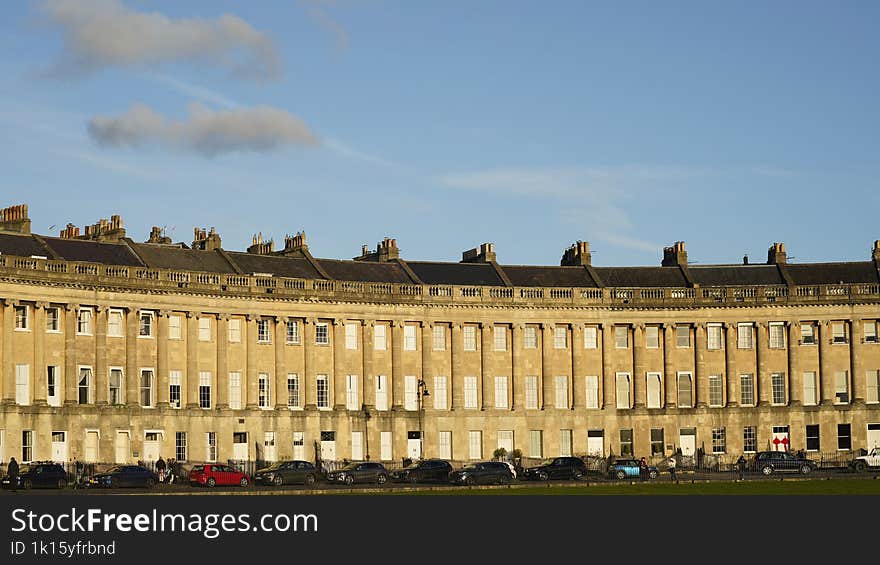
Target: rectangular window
{"points": [[475, 444], [591, 337], [810, 396], [445, 443], [174, 384], [292, 332], [351, 392], [844, 439], [410, 394], [715, 391], [560, 337], [469, 338], [409, 337], [264, 334], [385, 446], [204, 389], [204, 329], [351, 336], [530, 337], [713, 336], [777, 386], [777, 335], [536, 443], [657, 447], [145, 324], [682, 336], [116, 387], [626, 443], [147, 388], [872, 387], [293, 396], [652, 337], [654, 389], [381, 392], [235, 390], [719, 440], [838, 332], [744, 336], [812, 437], [174, 327], [500, 338], [621, 337], [565, 443], [623, 390], [263, 400], [841, 387], [379, 337], [685, 390], [561, 392], [234, 330], [323, 391], [53, 320], [322, 333], [747, 390], [27, 446], [180, 446], [750, 439], [501, 392], [85, 386], [531, 392], [84, 321], [211, 446], [470, 393], [439, 335], [53, 396], [440, 393], [808, 333], [592, 391], [357, 445], [23, 385], [870, 331], [21, 318]]}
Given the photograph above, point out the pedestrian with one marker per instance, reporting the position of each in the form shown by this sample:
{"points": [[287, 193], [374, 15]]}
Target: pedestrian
{"points": [[160, 469], [740, 466], [80, 472], [671, 465], [12, 473], [643, 470]]}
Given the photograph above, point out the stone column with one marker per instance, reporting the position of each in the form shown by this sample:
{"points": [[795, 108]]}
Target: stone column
{"points": [[280, 362], [640, 378], [396, 365], [826, 373], [309, 383], [39, 333], [669, 376], [730, 329], [102, 374], [701, 378], [8, 364], [517, 379], [339, 374], [457, 383], [132, 377], [486, 388], [192, 359], [577, 383], [163, 372], [858, 385], [795, 385], [369, 386], [763, 377], [222, 378], [545, 386], [251, 380], [608, 390]]}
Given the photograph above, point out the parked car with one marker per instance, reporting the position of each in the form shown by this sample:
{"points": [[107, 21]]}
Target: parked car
{"points": [[623, 468], [557, 468], [125, 476], [364, 472], [38, 475], [482, 473], [287, 473], [769, 462], [424, 471], [864, 462], [214, 474]]}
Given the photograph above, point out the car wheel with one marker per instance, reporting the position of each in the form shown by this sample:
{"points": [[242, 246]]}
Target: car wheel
{"points": [[62, 483], [26, 484], [150, 483], [310, 480], [470, 481], [621, 474], [413, 479], [278, 480], [860, 467], [349, 480], [767, 470], [504, 480], [805, 469], [243, 482], [577, 475], [543, 477], [382, 479], [211, 482], [653, 474]]}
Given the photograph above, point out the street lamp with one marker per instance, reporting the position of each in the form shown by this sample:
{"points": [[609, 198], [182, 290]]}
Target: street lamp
{"points": [[421, 392], [366, 429]]}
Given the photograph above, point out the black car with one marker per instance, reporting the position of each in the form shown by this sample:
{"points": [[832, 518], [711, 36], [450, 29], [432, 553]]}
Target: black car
{"points": [[557, 468], [425, 471], [39, 475], [125, 476], [365, 472], [483, 473], [769, 462], [287, 473]]}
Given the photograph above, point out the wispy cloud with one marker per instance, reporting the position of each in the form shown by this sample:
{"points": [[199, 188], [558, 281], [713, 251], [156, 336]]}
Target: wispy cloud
{"points": [[205, 131], [200, 93], [315, 10], [346, 150], [105, 33]]}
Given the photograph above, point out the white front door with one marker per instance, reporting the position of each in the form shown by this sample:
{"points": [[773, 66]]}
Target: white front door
{"points": [[328, 450], [780, 439], [505, 440], [123, 447], [414, 445], [596, 443], [90, 453], [687, 439], [59, 447], [240, 446], [152, 446], [873, 436], [269, 452], [299, 446]]}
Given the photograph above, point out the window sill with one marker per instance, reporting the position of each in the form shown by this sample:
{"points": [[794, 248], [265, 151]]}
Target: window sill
{"points": [[145, 337], [22, 329], [53, 331]]}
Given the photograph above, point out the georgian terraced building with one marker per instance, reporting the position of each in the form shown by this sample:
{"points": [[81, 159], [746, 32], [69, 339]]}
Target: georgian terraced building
{"points": [[114, 350]]}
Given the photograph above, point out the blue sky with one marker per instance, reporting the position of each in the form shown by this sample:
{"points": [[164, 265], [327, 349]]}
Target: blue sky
{"points": [[532, 125]]}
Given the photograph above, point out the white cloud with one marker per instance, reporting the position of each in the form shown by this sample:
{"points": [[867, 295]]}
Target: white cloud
{"points": [[105, 33], [205, 131]]}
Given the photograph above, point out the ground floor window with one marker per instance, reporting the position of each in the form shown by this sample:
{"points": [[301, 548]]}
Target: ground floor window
{"points": [[180, 446], [445, 445], [211, 446], [626, 443], [719, 440], [656, 441], [536, 443], [475, 444], [813, 437], [844, 438], [27, 446], [750, 439]]}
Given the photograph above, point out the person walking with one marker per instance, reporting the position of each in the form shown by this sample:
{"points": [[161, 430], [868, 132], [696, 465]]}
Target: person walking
{"points": [[12, 473], [740, 467], [671, 466], [160, 469], [643, 470], [79, 481]]}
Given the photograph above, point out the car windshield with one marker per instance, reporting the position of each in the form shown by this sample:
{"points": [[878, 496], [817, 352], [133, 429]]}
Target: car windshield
{"points": [[472, 467], [115, 469], [351, 467], [24, 469], [198, 468]]}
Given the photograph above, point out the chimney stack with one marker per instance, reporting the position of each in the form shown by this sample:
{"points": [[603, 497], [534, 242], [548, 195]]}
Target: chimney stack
{"points": [[206, 241], [876, 253], [15, 219], [484, 254], [577, 255], [776, 254], [260, 247], [386, 250], [675, 256], [156, 236], [102, 230]]}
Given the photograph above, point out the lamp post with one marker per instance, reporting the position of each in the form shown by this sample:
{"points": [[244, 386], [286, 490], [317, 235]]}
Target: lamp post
{"points": [[366, 430], [421, 392]]}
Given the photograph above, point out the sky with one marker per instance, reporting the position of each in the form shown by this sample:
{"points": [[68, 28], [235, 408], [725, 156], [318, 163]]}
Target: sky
{"points": [[444, 125]]}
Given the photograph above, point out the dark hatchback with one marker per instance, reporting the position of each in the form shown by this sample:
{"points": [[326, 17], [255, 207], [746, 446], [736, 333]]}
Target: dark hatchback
{"points": [[365, 472], [557, 468], [769, 462], [39, 475], [483, 473], [425, 471], [287, 473], [125, 476]]}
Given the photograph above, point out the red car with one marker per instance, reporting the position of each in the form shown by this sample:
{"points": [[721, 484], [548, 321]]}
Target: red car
{"points": [[213, 474]]}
